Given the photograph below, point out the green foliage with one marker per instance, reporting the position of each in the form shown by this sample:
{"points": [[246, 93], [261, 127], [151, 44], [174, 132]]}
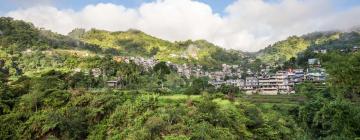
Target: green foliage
{"points": [[230, 90], [77, 33], [284, 50], [137, 43], [56, 113], [42, 97], [198, 85], [302, 47], [344, 74], [162, 69], [328, 119], [18, 36]]}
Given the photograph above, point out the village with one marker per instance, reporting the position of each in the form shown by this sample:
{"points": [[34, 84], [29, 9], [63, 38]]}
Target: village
{"points": [[265, 82]]}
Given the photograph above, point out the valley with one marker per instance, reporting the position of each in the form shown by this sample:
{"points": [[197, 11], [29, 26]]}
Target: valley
{"points": [[97, 84]]}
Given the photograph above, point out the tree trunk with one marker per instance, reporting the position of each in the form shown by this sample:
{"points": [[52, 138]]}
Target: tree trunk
{"points": [[162, 85]]}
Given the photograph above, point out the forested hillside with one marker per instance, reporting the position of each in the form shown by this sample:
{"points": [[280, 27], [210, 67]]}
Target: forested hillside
{"points": [[294, 46], [137, 43], [19, 36], [57, 87]]}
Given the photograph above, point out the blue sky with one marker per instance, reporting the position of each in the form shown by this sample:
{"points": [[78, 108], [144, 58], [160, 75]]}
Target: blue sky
{"points": [[247, 25], [217, 6]]}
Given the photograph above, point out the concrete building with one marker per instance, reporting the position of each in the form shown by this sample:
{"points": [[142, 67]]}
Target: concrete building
{"points": [[313, 62], [113, 84], [236, 82], [285, 85], [315, 75], [251, 85], [278, 83]]}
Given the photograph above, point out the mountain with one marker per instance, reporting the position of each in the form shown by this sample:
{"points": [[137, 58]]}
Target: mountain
{"points": [[294, 46], [283, 50], [70, 87], [137, 43], [20, 36]]}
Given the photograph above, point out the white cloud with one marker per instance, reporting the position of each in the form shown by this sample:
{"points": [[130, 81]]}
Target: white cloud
{"points": [[107, 16], [47, 17], [179, 19], [248, 24], [102, 16]]}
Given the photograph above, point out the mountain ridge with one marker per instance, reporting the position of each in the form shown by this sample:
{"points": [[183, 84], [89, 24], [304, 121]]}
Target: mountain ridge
{"points": [[124, 43], [294, 46], [137, 43]]}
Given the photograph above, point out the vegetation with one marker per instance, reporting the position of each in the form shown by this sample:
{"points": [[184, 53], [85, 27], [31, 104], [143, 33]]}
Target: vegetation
{"points": [[137, 43], [284, 50], [302, 47], [48, 90], [53, 110]]}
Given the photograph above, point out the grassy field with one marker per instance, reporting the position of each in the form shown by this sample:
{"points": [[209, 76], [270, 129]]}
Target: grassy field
{"points": [[283, 99], [263, 101], [289, 99], [177, 98]]}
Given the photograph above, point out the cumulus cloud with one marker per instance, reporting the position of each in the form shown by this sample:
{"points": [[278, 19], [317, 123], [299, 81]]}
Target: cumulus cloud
{"points": [[103, 16], [179, 19], [247, 25]]}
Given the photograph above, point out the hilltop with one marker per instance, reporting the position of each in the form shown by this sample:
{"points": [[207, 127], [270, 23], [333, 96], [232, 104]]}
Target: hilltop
{"points": [[137, 43], [20, 36], [80, 47], [296, 46]]}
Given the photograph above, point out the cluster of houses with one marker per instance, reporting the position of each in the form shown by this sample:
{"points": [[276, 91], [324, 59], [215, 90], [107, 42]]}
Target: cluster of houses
{"points": [[265, 82], [324, 50], [185, 69], [182, 69], [280, 82], [197, 71], [147, 63]]}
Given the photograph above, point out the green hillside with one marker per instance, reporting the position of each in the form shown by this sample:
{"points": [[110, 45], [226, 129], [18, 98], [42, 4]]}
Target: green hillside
{"points": [[283, 50], [21, 40], [29, 50], [293, 46], [70, 88], [137, 43]]}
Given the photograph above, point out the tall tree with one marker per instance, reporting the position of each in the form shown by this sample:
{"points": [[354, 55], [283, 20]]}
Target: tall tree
{"points": [[162, 69]]}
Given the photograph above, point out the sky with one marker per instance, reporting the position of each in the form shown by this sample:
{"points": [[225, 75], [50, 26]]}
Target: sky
{"points": [[247, 25]]}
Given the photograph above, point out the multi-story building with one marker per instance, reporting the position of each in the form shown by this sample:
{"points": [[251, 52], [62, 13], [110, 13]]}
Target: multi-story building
{"points": [[268, 85], [217, 83], [251, 84], [278, 83], [314, 62], [298, 75], [236, 82], [315, 75], [284, 84]]}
